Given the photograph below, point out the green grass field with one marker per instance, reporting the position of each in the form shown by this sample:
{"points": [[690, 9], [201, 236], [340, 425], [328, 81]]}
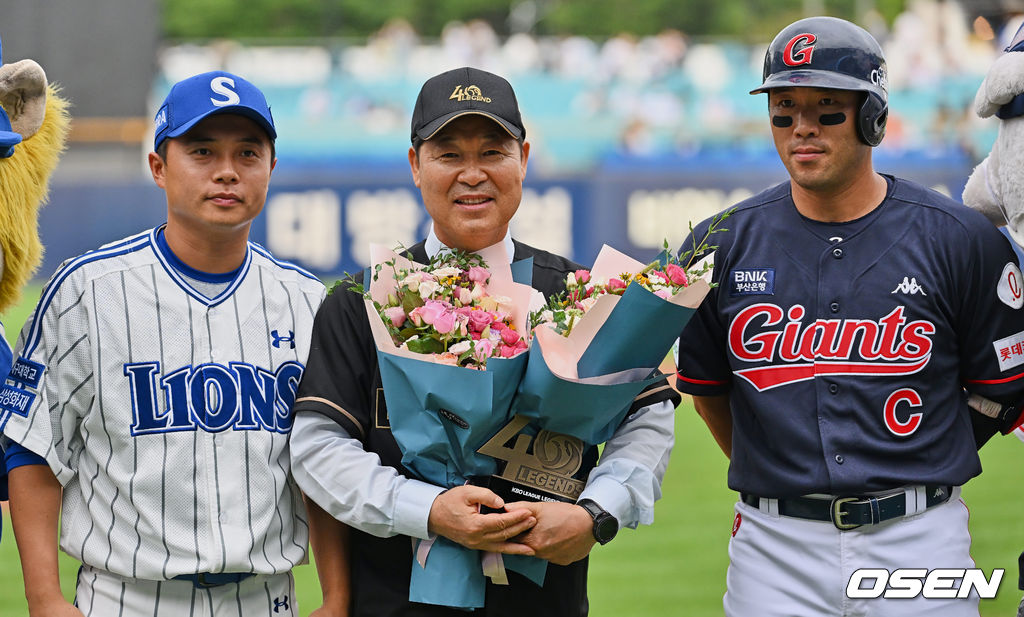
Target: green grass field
{"points": [[676, 567]]}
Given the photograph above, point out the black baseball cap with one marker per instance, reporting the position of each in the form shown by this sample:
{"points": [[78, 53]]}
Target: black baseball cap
{"points": [[461, 92]]}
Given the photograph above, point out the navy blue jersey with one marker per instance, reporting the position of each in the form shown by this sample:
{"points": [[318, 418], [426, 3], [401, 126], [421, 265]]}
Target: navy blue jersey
{"points": [[845, 348]]}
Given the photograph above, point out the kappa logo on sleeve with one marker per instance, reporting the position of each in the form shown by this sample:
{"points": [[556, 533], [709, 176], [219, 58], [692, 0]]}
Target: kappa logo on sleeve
{"points": [[752, 282], [1011, 286]]}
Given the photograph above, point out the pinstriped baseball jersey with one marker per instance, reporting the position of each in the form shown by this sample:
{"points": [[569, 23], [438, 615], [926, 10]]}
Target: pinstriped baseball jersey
{"points": [[165, 414]]}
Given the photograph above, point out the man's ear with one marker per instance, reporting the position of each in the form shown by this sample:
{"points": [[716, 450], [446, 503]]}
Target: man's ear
{"points": [[414, 166], [157, 167], [525, 156]]}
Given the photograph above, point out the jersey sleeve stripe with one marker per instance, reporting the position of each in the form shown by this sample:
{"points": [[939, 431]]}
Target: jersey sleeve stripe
{"points": [[336, 407], [996, 381], [130, 245], [700, 382]]}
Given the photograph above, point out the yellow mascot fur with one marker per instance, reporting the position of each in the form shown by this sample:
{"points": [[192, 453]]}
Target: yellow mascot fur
{"points": [[33, 128], [40, 117]]}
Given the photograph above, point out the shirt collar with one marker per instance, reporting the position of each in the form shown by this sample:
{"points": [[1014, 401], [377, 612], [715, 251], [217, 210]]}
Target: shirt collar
{"points": [[433, 246]]}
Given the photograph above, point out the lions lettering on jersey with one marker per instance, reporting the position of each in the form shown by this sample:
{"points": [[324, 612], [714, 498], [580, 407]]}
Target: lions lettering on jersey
{"points": [[888, 346], [212, 397]]}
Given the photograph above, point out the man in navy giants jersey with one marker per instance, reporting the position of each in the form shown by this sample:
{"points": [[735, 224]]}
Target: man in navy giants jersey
{"points": [[852, 311], [153, 386]]}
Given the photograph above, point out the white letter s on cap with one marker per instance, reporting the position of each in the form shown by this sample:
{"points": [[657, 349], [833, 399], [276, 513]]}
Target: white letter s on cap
{"points": [[220, 86]]}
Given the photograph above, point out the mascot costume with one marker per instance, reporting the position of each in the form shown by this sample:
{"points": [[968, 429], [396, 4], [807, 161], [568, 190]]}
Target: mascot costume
{"points": [[996, 187], [33, 128]]}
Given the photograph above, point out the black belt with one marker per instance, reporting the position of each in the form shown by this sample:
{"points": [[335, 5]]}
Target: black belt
{"points": [[204, 580], [852, 512]]}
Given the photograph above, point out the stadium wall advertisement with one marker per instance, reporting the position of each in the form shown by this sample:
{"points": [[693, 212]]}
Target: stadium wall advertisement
{"points": [[326, 221]]}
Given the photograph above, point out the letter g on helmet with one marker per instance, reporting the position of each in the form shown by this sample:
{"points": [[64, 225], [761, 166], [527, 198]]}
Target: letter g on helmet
{"points": [[826, 52]]}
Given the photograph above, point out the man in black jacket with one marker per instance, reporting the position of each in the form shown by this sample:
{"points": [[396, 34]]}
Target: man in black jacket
{"points": [[468, 158]]}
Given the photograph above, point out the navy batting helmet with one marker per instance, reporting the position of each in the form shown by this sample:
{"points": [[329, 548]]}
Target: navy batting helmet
{"points": [[825, 52]]}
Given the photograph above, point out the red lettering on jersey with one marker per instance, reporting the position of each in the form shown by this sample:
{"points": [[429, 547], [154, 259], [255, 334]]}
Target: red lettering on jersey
{"points": [[795, 57], [1013, 284], [760, 346], [889, 346], [902, 429]]}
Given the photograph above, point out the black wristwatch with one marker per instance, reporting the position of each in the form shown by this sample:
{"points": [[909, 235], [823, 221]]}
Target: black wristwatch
{"points": [[605, 525]]}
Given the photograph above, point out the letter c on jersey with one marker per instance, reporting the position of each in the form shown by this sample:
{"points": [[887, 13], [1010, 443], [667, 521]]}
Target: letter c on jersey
{"points": [[902, 429]]}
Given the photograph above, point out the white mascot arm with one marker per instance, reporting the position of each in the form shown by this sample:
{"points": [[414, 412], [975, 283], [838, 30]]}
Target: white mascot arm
{"points": [[996, 186]]}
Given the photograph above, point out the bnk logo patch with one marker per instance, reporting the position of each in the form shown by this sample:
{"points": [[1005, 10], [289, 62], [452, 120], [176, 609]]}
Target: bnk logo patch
{"points": [[752, 282]]}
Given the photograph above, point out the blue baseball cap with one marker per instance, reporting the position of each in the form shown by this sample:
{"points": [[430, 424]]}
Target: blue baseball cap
{"points": [[198, 97], [8, 138]]}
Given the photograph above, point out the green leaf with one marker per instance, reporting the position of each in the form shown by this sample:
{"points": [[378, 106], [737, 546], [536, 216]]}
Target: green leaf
{"points": [[411, 300], [425, 345]]}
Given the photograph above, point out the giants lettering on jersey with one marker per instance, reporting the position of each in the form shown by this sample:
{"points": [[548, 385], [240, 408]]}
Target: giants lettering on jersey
{"points": [[212, 397], [889, 346]]}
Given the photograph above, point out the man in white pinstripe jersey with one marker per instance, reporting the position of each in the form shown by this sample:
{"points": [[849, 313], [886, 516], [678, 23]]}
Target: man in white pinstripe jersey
{"points": [[153, 385]]}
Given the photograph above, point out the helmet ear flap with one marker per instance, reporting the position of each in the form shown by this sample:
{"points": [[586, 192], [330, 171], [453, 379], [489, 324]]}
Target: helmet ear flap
{"points": [[871, 119]]}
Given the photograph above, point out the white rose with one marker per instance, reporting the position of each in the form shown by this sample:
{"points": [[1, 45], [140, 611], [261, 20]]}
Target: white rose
{"points": [[410, 281], [504, 304], [427, 289], [446, 271], [460, 348]]}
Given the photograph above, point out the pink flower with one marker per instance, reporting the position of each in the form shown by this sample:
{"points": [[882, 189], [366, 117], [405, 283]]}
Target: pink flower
{"points": [[676, 274], [582, 276], [462, 324], [431, 310], [478, 274], [396, 314], [663, 293], [661, 276], [445, 322], [478, 320], [447, 358], [614, 284], [510, 337], [464, 295], [416, 315], [507, 351], [483, 349], [497, 326]]}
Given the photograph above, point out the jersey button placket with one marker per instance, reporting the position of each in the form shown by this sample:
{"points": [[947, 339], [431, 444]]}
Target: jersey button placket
{"points": [[837, 252]]}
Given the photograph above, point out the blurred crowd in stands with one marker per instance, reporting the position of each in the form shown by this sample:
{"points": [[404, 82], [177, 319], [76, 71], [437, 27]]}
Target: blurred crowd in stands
{"points": [[667, 96]]}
